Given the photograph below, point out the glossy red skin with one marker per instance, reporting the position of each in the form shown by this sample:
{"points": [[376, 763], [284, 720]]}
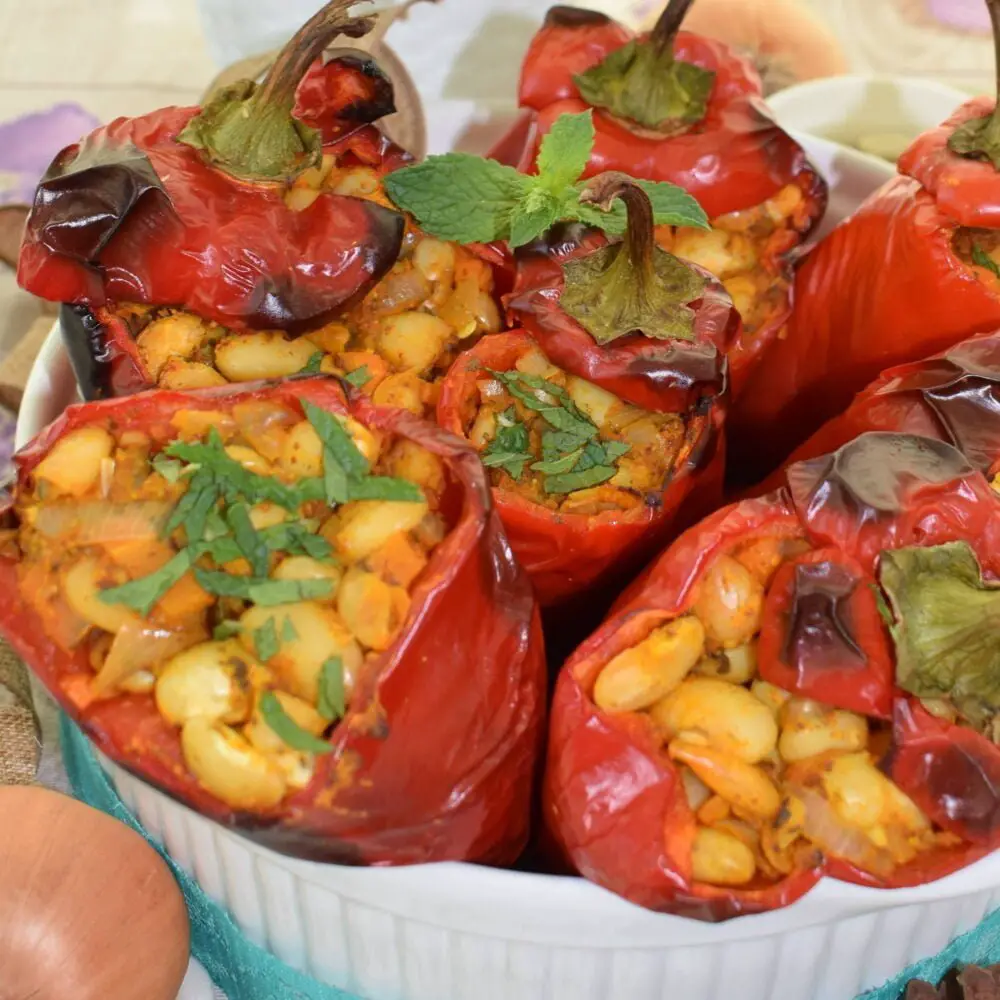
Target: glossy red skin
{"points": [[435, 759], [228, 250], [567, 555], [965, 190], [735, 159], [635, 368], [868, 690], [895, 401], [909, 296], [612, 799]]}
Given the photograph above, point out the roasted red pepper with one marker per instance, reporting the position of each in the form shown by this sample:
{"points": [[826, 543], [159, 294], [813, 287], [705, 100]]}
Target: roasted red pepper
{"points": [[953, 396], [673, 789], [663, 362], [191, 208], [681, 108], [465, 669], [909, 274]]}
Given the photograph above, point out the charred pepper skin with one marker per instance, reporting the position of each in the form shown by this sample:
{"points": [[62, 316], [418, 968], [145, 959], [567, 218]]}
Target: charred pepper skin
{"points": [[372, 801], [953, 396], [636, 839], [342, 98]]}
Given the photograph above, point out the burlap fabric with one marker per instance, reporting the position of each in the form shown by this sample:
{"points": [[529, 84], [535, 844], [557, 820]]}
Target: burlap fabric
{"points": [[20, 743]]}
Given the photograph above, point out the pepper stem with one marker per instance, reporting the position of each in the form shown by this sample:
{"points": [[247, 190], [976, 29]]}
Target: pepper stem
{"points": [[669, 23], [632, 287], [640, 234], [248, 130], [979, 139]]}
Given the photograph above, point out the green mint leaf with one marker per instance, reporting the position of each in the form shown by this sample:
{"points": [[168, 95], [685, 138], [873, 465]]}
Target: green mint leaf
{"points": [[459, 197], [509, 448], [251, 545], [295, 538], [141, 595], [565, 151], [224, 475], [287, 729], [334, 479], [556, 444], [222, 550], [332, 698], [615, 449], [312, 366], [226, 630], [512, 462], [551, 401], [265, 641], [288, 631], [336, 440], [570, 482], [556, 466], [384, 488], [215, 525], [264, 592], [359, 377], [169, 468], [533, 217], [983, 259]]}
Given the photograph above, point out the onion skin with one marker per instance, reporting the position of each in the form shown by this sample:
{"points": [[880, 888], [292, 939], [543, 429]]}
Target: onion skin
{"points": [[88, 909]]}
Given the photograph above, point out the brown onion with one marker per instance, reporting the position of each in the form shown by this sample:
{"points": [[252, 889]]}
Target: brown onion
{"points": [[88, 910]]}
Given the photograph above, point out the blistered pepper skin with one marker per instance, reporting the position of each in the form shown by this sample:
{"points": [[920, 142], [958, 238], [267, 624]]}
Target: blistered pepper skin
{"points": [[953, 396], [735, 159], [910, 296], [130, 214], [569, 555], [466, 671], [613, 801]]}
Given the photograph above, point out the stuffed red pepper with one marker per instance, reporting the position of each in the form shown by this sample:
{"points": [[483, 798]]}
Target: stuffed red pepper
{"points": [[286, 608], [600, 425], [219, 262], [913, 271], [674, 106], [801, 686]]}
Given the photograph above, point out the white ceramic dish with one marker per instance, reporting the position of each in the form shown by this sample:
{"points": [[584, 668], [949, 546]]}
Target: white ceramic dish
{"points": [[461, 932], [868, 112]]}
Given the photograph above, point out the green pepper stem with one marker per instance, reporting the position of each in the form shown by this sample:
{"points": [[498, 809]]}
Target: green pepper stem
{"points": [[640, 234], [992, 131], [305, 47], [669, 23]]}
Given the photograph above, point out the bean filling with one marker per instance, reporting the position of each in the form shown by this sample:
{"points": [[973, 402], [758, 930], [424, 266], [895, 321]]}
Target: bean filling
{"points": [[567, 444], [745, 250], [241, 567], [775, 782], [394, 344]]}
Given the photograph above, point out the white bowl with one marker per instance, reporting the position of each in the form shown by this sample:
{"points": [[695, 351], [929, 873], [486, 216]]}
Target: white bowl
{"points": [[875, 113], [462, 932]]}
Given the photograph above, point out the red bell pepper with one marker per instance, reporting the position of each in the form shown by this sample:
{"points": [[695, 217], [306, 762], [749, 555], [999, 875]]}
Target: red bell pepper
{"points": [[644, 326], [704, 129], [465, 671], [567, 554], [952, 396], [908, 275], [614, 798], [187, 207]]}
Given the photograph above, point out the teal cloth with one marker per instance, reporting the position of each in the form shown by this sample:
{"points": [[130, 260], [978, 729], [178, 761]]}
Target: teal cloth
{"points": [[247, 972], [240, 968]]}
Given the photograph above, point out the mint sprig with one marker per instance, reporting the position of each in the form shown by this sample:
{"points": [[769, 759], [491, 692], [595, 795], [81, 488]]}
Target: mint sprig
{"points": [[468, 199]]}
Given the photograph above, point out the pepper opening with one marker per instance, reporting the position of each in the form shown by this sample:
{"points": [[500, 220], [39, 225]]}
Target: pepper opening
{"points": [[643, 83], [632, 286], [979, 139], [248, 130]]}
